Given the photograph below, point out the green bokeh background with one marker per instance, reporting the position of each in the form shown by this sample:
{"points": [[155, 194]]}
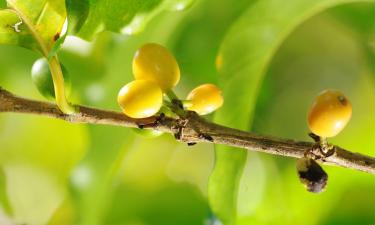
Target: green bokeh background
{"points": [[57, 173]]}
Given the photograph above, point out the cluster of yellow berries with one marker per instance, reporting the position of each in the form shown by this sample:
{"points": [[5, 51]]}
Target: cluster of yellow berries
{"points": [[156, 72]]}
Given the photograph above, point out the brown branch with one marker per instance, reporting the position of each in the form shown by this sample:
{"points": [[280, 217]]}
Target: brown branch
{"points": [[192, 129]]}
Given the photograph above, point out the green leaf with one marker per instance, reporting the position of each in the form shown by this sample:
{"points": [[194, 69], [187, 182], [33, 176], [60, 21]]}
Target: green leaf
{"points": [[322, 41], [41, 19], [8, 30], [29, 186], [246, 52], [36, 168], [89, 17], [3, 3]]}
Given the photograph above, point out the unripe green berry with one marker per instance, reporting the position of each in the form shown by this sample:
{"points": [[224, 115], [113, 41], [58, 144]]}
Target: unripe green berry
{"points": [[42, 79]]}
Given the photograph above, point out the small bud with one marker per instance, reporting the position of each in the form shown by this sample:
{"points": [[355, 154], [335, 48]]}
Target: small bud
{"points": [[312, 175]]}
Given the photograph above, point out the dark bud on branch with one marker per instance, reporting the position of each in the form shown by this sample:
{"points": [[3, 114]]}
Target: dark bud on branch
{"points": [[312, 175]]}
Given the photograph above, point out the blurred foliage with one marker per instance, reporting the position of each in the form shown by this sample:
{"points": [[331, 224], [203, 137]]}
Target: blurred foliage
{"points": [[270, 57], [90, 17], [255, 36]]}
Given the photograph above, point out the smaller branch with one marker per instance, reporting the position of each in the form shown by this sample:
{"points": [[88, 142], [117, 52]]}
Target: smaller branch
{"points": [[192, 129], [12, 103]]}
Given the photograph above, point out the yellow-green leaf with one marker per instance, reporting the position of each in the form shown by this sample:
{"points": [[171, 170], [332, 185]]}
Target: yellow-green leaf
{"points": [[13, 31], [42, 20]]}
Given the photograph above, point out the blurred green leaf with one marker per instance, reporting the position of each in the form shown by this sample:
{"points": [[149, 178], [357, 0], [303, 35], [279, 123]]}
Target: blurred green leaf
{"points": [[4, 203], [198, 39], [319, 54], [172, 204], [65, 145], [245, 52], [41, 19], [358, 17], [89, 17], [3, 4], [36, 168], [33, 193], [92, 179]]}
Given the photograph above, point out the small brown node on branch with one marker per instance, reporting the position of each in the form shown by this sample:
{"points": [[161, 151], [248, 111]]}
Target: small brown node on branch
{"points": [[178, 128], [158, 120], [178, 103], [206, 137], [321, 148]]}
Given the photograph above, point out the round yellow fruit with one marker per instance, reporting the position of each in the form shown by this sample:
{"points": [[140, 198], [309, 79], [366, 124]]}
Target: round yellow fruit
{"points": [[205, 99], [140, 98], [329, 114], [154, 62]]}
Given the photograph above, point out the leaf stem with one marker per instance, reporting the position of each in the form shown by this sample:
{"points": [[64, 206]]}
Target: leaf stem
{"points": [[58, 82]]}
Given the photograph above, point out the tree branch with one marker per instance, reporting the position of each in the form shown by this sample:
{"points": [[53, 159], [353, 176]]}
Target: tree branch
{"points": [[192, 129]]}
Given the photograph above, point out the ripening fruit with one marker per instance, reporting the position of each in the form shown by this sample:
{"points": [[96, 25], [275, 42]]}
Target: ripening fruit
{"points": [[140, 98], [154, 62], [205, 99], [42, 79], [329, 114]]}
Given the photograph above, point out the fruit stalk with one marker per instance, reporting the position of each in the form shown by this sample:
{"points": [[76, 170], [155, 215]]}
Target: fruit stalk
{"points": [[171, 95]]}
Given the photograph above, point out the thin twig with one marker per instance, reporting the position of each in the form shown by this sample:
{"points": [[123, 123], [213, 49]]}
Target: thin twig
{"points": [[195, 129]]}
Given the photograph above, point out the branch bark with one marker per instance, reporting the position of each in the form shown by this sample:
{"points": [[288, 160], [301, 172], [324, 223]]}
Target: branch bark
{"points": [[192, 129]]}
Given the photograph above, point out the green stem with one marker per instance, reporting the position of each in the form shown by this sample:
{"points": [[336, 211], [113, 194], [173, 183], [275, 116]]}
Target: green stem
{"points": [[186, 103], [171, 95], [175, 105], [58, 82], [166, 110], [324, 145]]}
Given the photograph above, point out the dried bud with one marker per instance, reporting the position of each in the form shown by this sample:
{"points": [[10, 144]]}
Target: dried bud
{"points": [[312, 175]]}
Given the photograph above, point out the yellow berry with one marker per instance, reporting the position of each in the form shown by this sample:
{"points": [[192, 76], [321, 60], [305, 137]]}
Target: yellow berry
{"points": [[205, 99], [329, 114], [140, 99], [154, 62]]}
